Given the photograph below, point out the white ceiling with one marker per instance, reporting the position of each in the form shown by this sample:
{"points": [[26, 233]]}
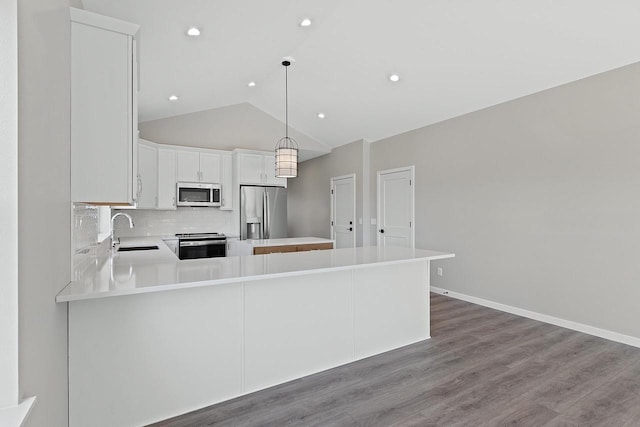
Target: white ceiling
{"points": [[453, 56]]}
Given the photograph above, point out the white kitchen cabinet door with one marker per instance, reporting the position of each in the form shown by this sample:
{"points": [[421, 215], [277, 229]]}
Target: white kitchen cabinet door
{"points": [[147, 176], [188, 165], [270, 172], [226, 183], [251, 168], [103, 109], [210, 167], [166, 179]]}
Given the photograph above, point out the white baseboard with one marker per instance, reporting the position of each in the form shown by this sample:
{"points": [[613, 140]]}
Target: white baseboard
{"points": [[591, 330]]}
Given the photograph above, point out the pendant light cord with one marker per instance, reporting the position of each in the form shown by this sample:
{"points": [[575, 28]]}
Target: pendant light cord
{"points": [[286, 101]]}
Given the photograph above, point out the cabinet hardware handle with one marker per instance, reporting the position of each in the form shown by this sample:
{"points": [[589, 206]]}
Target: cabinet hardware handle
{"points": [[382, 230]]}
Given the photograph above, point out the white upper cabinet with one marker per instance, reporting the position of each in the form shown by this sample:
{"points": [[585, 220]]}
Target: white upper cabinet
{"points": [[188, 166], [166, 178], [270, 171], [258, 169], [147, 175], [104, 123], [226, 183], [251, 168], [198, 166], [210, 167]]}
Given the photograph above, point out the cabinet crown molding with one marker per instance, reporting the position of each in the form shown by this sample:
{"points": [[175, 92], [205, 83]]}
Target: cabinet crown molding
{"points": [[105, 22]]}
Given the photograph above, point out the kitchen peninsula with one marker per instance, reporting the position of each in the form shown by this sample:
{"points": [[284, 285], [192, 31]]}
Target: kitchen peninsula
{"points": [[154, 336]]}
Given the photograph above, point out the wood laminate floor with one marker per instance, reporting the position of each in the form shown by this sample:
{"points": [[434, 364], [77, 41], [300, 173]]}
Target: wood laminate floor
{"points": [[481, 367]]}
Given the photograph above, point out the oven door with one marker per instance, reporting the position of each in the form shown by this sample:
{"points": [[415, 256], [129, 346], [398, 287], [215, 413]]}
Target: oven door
{"points": [[192, 249]]}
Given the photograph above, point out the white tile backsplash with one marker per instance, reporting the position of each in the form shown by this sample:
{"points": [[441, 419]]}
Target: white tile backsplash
{"points": [[85, 227], [85, 232], [181, 220]]}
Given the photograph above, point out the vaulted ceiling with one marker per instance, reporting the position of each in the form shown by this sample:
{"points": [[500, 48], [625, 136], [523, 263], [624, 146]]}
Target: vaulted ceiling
{"points": [[452, 56]]}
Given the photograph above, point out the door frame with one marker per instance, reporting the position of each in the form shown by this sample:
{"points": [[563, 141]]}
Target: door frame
{"points": [[331, 196], [412, 170]]}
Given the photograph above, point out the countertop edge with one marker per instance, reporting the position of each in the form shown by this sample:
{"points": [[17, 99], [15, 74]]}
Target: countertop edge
{"points": [[160, 288]]}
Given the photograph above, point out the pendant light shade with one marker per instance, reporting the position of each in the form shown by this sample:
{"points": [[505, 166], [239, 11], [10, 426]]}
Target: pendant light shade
{"points": [[287, 158], [286, 148]]}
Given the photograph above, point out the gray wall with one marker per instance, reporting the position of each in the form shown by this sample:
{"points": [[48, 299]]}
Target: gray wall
{"points": [[226, 128], [43, 205], [538, 197], [9, 203], [308, 197]]}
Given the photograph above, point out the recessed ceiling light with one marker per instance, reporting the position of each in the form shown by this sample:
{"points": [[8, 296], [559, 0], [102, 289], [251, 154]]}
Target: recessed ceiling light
{"points": [[251, 84], [321, 115], [394, 77], [193, 32], [305, 22], [173, 98]]}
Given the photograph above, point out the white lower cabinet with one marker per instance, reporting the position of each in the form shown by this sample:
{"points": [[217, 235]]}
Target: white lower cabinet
{"points": [[140, 359], [145, 358], [166, 179], [295, 327]]}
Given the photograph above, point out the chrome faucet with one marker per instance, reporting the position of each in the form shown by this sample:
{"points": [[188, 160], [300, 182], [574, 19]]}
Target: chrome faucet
{"points": [[113, 241]]}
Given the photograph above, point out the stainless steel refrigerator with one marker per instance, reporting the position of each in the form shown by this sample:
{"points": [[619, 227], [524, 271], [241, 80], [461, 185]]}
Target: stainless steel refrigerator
{"points": [[263, 212]]}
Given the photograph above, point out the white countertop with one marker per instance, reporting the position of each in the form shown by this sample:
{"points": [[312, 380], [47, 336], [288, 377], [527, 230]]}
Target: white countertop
{"points": [[287, 241], [126, 273]]}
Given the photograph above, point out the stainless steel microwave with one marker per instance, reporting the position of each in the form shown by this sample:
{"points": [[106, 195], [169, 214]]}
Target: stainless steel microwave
{"points": [[198, 194]]}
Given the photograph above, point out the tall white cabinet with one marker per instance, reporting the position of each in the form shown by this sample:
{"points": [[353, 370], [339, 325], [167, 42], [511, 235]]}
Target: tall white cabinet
{"points": [[166, 178], [226, 182], [147, 175], [104, 110]]}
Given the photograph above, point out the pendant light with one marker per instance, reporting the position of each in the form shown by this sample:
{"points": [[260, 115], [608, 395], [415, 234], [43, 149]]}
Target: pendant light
{"points": [[286, 148]]}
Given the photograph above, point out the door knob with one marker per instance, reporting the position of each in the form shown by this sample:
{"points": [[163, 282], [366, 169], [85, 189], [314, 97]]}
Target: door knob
{"points": [[350, 228], [382, 230]]}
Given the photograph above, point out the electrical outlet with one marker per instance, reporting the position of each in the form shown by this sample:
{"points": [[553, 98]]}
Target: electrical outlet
{"points": [[440, 271]]}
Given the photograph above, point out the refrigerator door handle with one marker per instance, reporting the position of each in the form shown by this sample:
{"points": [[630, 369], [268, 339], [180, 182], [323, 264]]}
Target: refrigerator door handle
{"points": [[263, 222], [266, 215]]}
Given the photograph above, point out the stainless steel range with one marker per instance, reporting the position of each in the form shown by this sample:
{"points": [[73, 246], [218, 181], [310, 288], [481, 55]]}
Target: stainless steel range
{"points": [[201, 245]]}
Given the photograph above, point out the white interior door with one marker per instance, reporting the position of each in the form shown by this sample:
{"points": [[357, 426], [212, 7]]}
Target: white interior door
{"points": [[396, 207], [343, 211]]}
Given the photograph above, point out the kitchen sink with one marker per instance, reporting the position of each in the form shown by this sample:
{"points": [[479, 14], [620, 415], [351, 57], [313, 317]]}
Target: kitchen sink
{"points": [[137, 248]]}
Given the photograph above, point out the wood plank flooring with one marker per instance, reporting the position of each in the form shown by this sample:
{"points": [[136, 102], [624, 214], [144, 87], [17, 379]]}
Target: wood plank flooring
{"points": [[481, 367]]}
